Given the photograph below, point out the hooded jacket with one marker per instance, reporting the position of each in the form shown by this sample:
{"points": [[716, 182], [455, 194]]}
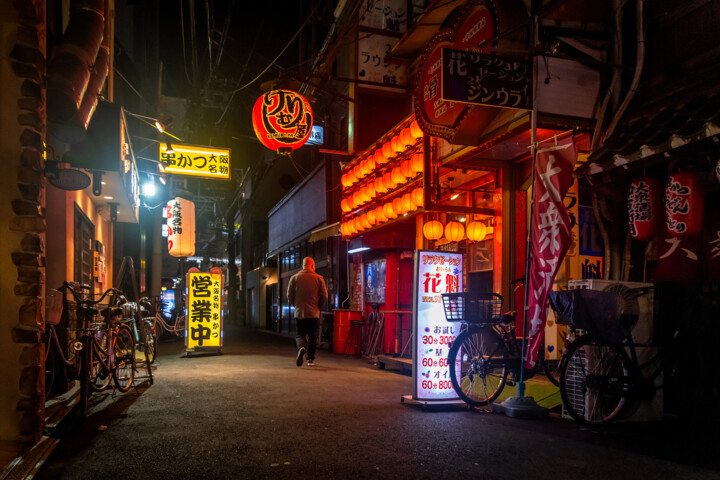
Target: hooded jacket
{"points": [[308, 293]]}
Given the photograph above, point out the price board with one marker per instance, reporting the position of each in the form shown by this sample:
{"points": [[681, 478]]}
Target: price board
{"points": [[435, 273]]}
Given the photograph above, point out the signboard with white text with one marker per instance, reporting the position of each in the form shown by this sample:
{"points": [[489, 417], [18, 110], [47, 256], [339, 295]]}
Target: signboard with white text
{"points": [[435, 273]]}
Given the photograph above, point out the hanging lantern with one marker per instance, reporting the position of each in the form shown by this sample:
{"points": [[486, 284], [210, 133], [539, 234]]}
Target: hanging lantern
{"points": [[344, 205], [397, 177], [397, 144], [371, 189], [380, 157], [379, 185], [644, 206], [363, 195], [282, 120], [416, 163], [388, 152], [371, 164], [344, 181], [433, 230], [684, 204], [388, 180], [415, 130], [364, 221], [397, 205], [454, 231], [406, 169], [352, 227], [406, 137], [380, 215], [476, 231], [417, 197], [181, 227], [408, 204], [371, 217], [388, 211]]}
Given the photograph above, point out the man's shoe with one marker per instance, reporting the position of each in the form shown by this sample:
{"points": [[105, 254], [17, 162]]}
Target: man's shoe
{"points": [[311, 363], [300, 356]]}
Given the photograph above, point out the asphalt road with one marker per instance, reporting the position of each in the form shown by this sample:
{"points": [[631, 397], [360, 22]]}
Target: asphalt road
{"points": [[252, 413]]}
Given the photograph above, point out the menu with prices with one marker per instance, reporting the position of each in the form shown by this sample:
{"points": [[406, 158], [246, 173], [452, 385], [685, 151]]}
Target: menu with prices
{"points": [[435, 273]]}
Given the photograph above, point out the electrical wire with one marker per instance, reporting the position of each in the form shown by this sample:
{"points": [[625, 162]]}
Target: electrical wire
{"points": [[182, 33]]}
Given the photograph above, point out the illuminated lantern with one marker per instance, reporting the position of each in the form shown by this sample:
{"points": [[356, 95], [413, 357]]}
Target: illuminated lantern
{"points": [[343, 229], [388, 181], [408, 204], [397, 177], [380, 215], [344, 205], [181, 227], [379, 185], [362, 195], [364, 221], [388, 211], [417, 197], [416, 163], [406, 169], [406, 137], [644, 208], [371, 217], [344, 181], [397, 144], [387, 150], [684, 204], [454, 231], [380, 157], [476, 231], [415, 130], [371, 164], [282, 120], [397, 206], [371, 189], [433, 230]]}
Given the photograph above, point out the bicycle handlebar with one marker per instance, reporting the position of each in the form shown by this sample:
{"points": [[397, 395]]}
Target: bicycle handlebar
{"points": [[67, 286]]}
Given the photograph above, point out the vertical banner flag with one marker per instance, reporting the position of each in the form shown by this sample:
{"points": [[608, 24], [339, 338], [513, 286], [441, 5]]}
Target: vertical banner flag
{"points": [[550, 236], [435, 273], [204, 310]]}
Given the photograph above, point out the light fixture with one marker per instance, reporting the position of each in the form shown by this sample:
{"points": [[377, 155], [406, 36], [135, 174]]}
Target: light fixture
{"points": [[148, 188], [358, 249], [455, 196]]}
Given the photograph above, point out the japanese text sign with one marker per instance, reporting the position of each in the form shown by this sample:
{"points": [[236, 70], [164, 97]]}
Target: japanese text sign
{"points": [[550, 235], [282, 120], [480, 79], [196, 160], [435, 273], [204, 310]]}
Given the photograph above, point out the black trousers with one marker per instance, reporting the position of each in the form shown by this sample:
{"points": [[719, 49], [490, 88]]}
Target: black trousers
{"points": [[307, 335]]}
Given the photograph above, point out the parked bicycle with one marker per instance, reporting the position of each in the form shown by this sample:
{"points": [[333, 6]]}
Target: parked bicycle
{"points": [[601, 376], [486, 355]]}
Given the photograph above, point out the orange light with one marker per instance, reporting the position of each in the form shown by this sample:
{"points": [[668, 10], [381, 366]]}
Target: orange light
{"points": [[363, 195], [388, 211], [417, 197], [415, 130], [365, 221], [454, 231], [397, 177], [380, 157], [380, 215], [406, 169], [370, 217], [476, 231], [344, 205], [433, 230], [406, 137], [397, 205], [388, 152], [408, 204], [397, 144], [389, 181], [416, 163]]}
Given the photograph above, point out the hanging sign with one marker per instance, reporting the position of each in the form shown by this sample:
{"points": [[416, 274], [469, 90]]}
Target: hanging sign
{"points": [[684, 204], [204, 310], [644, 207], [435, 273], [195, 160], [478, 79], [181, 227], [551, 234], [282, 120]]}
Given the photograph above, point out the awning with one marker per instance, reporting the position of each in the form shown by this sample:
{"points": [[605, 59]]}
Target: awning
{"points": [[325, 232]]}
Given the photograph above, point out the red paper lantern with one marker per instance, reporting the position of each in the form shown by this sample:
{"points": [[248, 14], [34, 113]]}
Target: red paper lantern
{"points": [[282, 120], [389, 211], [644, 207], [476, 231], [454, 231], [397, 177], [397, 144], [397, 205], [433, 230], [415, 130], [389, 181], [417, 197], [416, 163], [387, 150], [344, 205], [380, 215], [684, 204], [379, 186], [380, 157], [406, 137], [365, 221], [371, 217], [406, 169], [408, 204]]}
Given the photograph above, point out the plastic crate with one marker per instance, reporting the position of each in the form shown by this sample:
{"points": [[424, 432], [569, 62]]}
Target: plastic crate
{"points": [[470, 307]]}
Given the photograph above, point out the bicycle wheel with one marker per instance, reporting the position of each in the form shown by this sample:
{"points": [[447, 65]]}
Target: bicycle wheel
{"points": [[100, 376], [147, 346], [591, 381], [477, 376], [124, 348]]}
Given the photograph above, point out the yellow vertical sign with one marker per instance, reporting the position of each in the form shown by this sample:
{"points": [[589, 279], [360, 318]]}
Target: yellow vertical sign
{"points": [[204, 310]]}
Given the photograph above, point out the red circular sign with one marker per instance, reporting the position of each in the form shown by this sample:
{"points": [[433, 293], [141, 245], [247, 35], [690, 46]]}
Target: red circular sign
{"points": [[282, 120]]}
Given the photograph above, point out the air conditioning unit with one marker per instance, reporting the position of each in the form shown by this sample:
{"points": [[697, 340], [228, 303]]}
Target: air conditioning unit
{"points": [[643, 335]]}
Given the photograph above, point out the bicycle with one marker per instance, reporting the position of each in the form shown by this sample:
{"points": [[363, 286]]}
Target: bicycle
{"points": [[486, 352], [113, 352], [601, 377], [145, 343]]}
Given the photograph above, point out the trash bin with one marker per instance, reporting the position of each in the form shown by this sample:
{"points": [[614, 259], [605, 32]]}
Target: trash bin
{"points": [[341, 330]]}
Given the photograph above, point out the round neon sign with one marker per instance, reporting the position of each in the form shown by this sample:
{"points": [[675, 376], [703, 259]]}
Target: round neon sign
{"points": [[282, 120]]}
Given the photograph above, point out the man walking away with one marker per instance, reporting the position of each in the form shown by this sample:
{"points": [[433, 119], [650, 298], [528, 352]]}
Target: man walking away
{"points": [[307, 292]]}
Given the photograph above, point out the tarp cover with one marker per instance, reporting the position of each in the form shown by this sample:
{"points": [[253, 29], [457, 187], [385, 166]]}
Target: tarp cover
{"points": [[595, 311]]}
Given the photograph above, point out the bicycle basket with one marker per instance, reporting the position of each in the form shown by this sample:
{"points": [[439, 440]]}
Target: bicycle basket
{"points": [[53, 307], [472, 307]]}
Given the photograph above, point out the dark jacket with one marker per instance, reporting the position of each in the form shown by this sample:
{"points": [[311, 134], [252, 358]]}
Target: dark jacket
{"points": [[307, 292]]}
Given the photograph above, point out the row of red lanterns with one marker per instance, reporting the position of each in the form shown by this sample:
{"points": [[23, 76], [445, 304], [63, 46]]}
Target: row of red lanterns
{"points": [[684, 205], [391, 179], [454, 231], [400, 205], [390, 149]]}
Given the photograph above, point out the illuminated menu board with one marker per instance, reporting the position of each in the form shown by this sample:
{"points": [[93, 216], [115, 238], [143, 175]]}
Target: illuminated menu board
{"points": [[435, 273], [204, 310]]}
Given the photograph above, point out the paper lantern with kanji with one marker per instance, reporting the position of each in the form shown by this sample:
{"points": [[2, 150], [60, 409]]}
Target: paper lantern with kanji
{"points": [[476, 231], [454, 231], [644, 208], [684, 204], [282, 120], [181, 227], [433, 230]]}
